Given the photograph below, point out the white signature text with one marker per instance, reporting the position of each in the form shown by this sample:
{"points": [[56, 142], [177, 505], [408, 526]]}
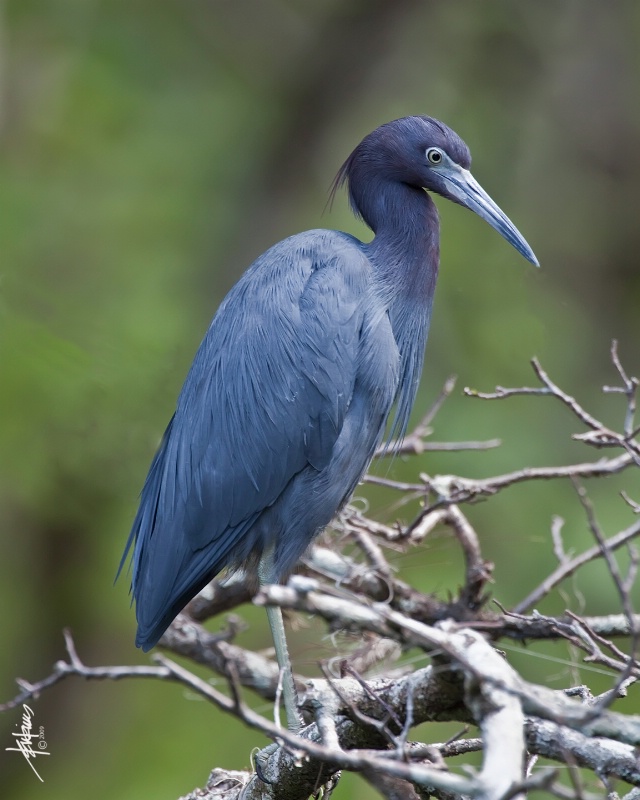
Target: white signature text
{"points": [[24, 741]]}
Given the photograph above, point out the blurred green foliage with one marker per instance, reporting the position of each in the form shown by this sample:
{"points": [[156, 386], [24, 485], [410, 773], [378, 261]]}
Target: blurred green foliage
{"points": [[148, 152]]}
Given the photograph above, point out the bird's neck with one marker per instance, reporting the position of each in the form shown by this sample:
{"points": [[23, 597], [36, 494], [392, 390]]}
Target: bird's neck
{"points": [[405, 249], [405, 256]]}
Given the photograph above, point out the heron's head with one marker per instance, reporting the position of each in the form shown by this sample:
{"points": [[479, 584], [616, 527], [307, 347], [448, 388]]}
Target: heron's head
{"points": [[424, 153]]}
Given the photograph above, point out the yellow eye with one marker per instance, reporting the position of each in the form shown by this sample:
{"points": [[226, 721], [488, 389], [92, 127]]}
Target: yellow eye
{"points": [[434, 155]]}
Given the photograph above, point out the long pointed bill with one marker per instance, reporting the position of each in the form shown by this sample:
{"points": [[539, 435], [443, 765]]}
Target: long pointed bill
{"points": [[467, 191]]}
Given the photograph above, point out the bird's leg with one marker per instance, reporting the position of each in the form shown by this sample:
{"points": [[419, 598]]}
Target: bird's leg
{"points": [[289, 694], [276, 623]]}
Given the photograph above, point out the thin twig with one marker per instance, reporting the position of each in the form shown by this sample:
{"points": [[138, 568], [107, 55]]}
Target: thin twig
{"points": [[623, 589], [64, 669], [569, 567]]}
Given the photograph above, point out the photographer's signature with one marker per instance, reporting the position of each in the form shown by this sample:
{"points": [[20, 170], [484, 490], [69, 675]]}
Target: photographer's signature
{"points": [[25, 741]]}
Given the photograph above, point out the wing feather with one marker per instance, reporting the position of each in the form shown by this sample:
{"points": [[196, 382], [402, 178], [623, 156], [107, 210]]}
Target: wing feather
{"points": [[266, 398]]}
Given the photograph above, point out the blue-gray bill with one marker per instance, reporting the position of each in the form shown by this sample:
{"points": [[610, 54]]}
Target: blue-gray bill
{"points": [[464, 188]]}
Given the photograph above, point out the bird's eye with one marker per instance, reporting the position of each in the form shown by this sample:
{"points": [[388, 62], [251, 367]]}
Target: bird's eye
{"points": [[434, 155]]}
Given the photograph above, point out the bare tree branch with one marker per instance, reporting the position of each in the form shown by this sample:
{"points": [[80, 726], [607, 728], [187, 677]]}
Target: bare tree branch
{"points": [[361, 723]]}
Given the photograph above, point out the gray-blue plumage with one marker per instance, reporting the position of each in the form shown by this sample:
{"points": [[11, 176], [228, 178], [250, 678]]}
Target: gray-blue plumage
{"points": [[290, 391]]}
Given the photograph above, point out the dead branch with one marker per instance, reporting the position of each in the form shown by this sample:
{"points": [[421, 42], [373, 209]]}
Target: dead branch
{"points": [[362, 723]]}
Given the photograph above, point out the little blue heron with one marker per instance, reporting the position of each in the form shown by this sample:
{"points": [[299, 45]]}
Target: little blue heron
{"points": [[292, 387]]}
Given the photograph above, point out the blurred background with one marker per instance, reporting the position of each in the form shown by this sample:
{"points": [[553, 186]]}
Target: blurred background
{"points": [[149, 151]]}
